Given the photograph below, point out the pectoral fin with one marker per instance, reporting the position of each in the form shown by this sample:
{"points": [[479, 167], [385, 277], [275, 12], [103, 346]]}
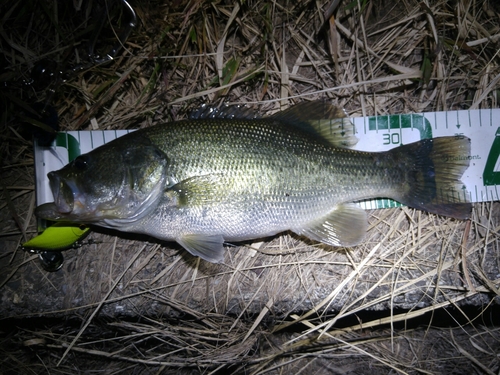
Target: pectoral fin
{"points": [[198, 190], [208, 247], [345, 226]]}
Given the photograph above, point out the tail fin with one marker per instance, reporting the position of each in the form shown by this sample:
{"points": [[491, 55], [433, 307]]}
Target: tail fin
{"points": [[433, 169]]}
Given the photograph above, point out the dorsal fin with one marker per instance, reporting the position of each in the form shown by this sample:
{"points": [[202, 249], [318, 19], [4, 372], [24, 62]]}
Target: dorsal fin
{"points": [[230, 112], [321, 118]]}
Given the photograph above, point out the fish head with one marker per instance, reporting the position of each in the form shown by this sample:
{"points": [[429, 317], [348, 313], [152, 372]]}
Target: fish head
{"points": [[112, 182]]}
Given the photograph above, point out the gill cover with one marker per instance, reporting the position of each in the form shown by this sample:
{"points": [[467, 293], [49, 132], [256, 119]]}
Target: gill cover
{"points": [[143, 185]]}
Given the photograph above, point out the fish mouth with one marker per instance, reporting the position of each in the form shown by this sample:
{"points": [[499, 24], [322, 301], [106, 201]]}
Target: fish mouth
{"points": [[64, 200], [67, 205]]}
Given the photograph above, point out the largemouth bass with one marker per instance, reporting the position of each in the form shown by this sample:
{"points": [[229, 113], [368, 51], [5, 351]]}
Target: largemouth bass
{"points": [[203, 182]]}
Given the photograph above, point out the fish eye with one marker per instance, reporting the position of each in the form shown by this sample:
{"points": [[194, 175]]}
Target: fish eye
{"points": [[80, 163]]}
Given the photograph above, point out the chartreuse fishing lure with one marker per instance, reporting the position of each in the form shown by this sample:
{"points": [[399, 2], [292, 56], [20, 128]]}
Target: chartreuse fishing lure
{"points": [[56, 238]]}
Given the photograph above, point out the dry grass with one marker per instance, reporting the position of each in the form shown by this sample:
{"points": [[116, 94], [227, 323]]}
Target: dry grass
{"points": [[283, 305]]}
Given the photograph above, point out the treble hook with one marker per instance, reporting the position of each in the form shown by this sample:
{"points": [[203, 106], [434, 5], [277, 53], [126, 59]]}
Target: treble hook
{"points": [[121, 39]]}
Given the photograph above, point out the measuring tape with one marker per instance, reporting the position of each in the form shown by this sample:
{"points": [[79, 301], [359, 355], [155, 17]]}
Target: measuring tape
{"points": [[380, 133], [482, 178]]}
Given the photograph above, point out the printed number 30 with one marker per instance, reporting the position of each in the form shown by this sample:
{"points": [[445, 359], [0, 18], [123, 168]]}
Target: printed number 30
{"points": [[391, 138]]}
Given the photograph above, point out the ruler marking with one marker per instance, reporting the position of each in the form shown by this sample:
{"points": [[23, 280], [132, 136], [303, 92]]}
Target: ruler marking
{"points": [[400, 129]]}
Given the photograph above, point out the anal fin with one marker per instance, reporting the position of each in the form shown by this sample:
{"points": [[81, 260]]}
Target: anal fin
{"points": [[345, 226]]}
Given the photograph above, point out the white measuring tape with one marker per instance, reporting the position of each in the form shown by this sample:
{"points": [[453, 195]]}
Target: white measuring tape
{"points": [[481, 180]]}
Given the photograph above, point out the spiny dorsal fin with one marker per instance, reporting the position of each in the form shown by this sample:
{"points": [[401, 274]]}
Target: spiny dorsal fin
{"points": [[231, 112], [323, 119]]}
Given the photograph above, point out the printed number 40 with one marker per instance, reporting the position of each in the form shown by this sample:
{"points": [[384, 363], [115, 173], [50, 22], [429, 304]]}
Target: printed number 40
{"points": [[490, 176]]}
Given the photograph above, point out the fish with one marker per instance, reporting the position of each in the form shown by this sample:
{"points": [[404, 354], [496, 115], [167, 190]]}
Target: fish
{"points": [[207, 181]]}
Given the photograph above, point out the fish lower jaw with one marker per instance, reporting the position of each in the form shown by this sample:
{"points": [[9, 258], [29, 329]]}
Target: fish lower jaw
{"points": [[49, 211], [52, 211]]}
